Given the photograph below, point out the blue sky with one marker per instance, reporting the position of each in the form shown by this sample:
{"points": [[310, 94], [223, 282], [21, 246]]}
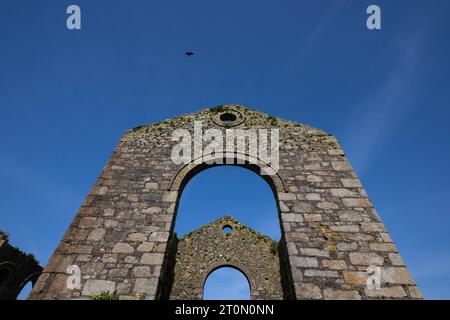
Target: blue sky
{"points": [[66, 97]]}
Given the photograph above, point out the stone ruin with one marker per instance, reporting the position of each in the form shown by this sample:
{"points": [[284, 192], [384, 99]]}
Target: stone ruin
{"points": [[123, 241], [204, 250], [16, 269]]}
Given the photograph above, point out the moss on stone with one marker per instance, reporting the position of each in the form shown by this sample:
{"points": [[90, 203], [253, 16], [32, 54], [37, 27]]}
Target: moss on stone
{"points": [[138, 128], [274, 247], [218, 108], [273, 121]]}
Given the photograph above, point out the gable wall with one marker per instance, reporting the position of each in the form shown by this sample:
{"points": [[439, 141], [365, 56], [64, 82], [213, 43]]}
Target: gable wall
{"points": [[330, 230]]}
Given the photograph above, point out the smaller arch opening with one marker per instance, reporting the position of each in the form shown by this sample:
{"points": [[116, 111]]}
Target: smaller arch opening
{"points": [[226, 283], [227, 229], [227, 117], [25, 291]]}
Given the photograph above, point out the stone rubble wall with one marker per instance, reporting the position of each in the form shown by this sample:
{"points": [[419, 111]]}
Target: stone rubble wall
{"points": [[204, 250]]}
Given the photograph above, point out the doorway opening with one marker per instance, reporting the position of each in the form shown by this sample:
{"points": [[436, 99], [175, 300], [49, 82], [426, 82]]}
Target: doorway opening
{"points": [[226, 283]]}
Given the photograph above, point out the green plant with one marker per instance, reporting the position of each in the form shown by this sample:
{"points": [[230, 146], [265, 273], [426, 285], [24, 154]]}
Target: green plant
{"points": [[31, 256], [105, 295], [273, 121], [217, 108], [3, 235], [137, 128], [274, 247]]}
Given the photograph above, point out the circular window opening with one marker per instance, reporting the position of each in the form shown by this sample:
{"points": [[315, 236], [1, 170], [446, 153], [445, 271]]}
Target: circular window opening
{"points": [[227, 117], [227, 229]]}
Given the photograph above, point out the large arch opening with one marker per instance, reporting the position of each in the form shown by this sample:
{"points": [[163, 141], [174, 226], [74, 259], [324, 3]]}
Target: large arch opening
{"points": [[226, 283], [228, 190]]}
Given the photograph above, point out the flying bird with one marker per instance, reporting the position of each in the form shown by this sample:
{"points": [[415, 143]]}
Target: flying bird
{"points": [[189, 53]]}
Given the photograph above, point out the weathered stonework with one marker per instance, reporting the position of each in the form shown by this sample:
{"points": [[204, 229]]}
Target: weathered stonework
{"points": [[204, 250], [16, 269], [122, 236]]}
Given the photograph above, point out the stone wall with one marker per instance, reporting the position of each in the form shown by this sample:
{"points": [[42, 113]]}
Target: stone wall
{"points": [[204, 250], [330, 230]]}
